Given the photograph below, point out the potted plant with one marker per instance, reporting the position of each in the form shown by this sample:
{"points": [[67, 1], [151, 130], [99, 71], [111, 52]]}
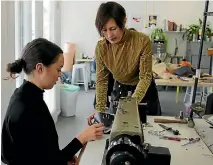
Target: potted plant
{"points": [[157, 34], [211, 37], [192, 32], [208, 32]]}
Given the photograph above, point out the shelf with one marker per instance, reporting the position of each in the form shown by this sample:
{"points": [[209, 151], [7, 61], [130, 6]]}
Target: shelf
{"points": [[174, 31], [199, 41]]}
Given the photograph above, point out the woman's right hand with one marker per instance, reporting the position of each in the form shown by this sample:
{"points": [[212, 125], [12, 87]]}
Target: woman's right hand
{"points": [[93, 132], [74, 161]]}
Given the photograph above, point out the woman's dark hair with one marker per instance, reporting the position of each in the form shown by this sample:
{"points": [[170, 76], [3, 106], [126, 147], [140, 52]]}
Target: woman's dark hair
{"points": [[107, 11], [133, 29], [37, 51]]}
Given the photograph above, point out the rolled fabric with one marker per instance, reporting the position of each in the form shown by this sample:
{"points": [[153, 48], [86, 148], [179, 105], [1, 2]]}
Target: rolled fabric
{"points": [[69, 56]]}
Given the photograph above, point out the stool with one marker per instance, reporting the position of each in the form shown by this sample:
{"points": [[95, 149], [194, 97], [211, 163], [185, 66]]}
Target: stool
{"points": [[206, 93], [76, 67], [176, 59], [200, 90]]}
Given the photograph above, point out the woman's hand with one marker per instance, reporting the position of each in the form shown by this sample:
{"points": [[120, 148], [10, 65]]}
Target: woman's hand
{"points": [[75, 161], [93, 132], [90, 118]]}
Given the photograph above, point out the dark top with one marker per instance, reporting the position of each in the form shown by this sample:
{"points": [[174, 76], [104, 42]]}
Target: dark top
{"points": [[29, 135]]}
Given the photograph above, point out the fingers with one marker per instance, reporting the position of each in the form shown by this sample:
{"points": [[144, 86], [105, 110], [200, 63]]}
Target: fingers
{"points": [[100, 129], [98, 125], [76, 160], [99, 133], [93, 114], [71, 163], [98, 137], [89, 120]]}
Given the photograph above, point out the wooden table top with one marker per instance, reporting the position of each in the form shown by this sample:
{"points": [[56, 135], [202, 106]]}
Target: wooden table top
{"points": [[179, 82]]}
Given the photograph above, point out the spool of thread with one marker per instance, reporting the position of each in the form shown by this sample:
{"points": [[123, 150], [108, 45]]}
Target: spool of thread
{"points": [[181, 114], [129, 94]]}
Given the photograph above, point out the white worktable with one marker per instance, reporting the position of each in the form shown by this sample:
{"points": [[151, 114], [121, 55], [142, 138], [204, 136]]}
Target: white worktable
{"points": [[192, 154], [205, 132]]}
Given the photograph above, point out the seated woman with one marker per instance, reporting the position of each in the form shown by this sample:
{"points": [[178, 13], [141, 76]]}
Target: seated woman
{"points": [[29, 135]]}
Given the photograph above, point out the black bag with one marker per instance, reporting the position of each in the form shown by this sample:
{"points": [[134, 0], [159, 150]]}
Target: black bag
{"points": [[150, 103], [184, 71], [209, 105]]}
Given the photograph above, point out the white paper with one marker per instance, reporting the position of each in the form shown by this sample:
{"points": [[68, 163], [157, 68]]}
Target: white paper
{"points": [[135, 21]]}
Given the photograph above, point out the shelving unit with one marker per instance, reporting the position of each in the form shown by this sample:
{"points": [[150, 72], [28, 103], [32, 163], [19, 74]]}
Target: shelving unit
{"points": [[205, 14], [192, 54], [174, 31]]}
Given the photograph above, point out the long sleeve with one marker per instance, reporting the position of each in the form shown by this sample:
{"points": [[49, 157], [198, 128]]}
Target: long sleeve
{"points": [[36, 142], [34, 148], [29, 135], [102, 75], [71, 149], [145, 71]]}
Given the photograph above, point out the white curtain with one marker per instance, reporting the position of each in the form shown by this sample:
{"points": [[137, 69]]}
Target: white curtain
{"points": [[7, 52], [52, 32], [39, 19], [52, 99], [23, 30]]}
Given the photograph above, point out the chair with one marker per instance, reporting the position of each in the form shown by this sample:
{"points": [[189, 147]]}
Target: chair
{"points": [[200, 90], [70, 65], [83, 67]]}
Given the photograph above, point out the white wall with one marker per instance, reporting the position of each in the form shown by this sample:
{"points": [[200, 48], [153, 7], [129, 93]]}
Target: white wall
{"points": [[78, 18], [55, 17], [7, 52], [78, 25]]}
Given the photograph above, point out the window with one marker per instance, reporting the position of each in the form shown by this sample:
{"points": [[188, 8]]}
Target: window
{"points": [[36, 12], [46, 19], [33, 19]]}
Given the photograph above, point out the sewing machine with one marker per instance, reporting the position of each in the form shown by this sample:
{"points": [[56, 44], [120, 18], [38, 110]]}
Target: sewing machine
{"points": [[125, 145]]}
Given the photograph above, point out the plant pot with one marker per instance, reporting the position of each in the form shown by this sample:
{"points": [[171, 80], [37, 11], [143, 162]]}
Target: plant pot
{"points": [[207, 39], [194, 37]]}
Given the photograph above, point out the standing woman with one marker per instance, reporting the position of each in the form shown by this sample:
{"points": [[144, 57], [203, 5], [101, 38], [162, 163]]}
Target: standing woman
{"points": [[29, 136], [127, 54]]}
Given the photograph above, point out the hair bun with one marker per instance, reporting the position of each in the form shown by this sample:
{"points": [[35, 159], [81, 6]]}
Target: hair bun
{"points": [[16, 67]]}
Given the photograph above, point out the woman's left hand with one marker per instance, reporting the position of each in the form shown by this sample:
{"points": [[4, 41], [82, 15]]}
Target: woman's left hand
{"points": [[75, 161]]}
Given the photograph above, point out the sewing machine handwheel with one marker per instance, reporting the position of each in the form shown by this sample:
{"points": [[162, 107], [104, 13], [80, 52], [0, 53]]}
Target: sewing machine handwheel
{"points": [[123, 158]]}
